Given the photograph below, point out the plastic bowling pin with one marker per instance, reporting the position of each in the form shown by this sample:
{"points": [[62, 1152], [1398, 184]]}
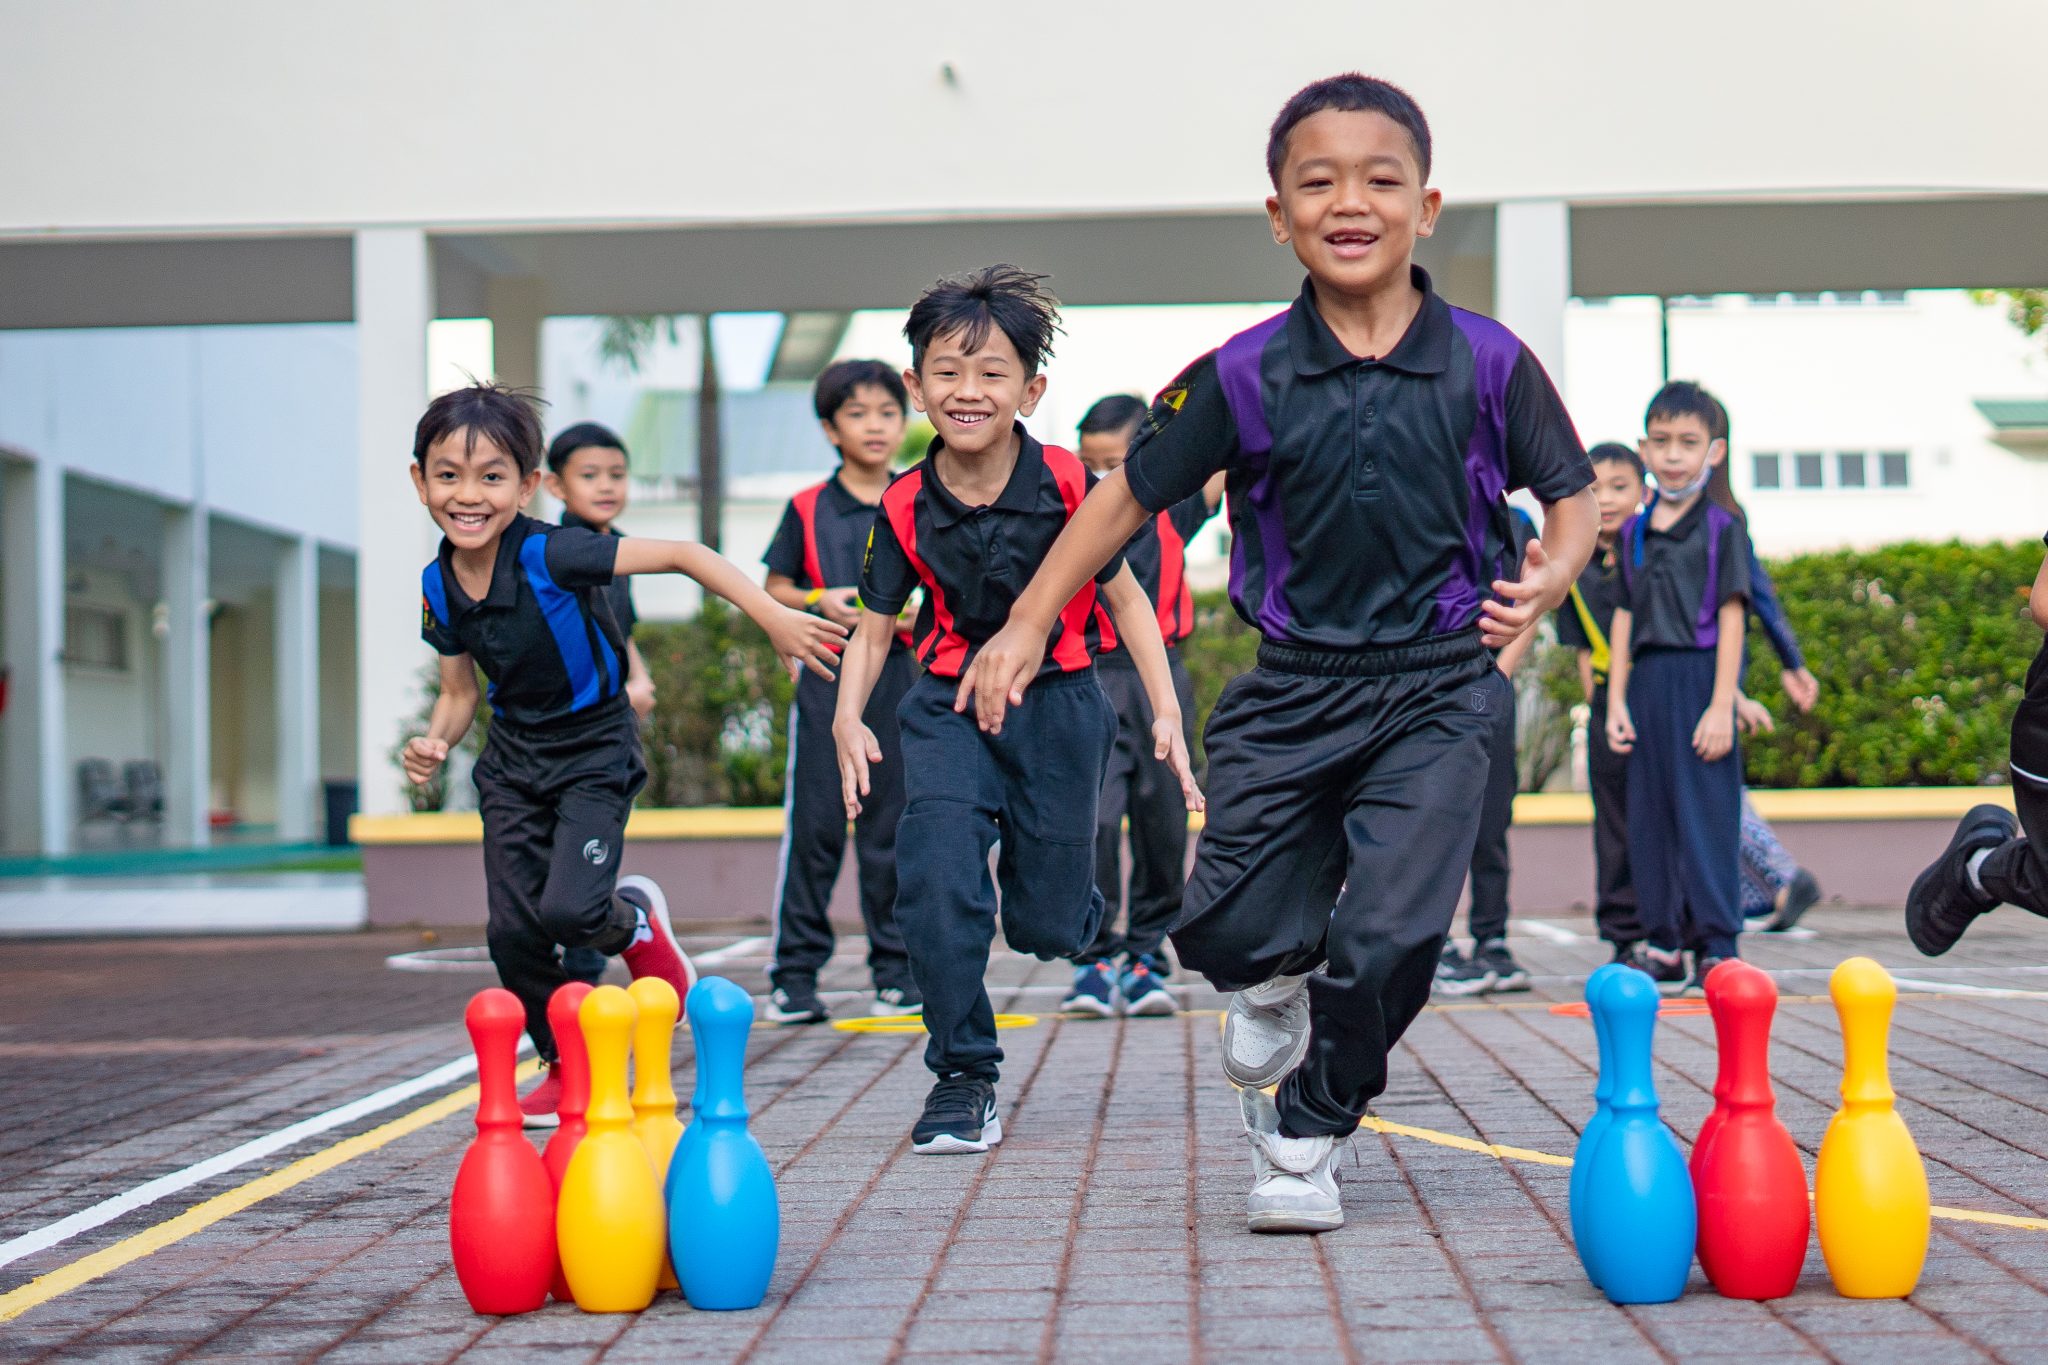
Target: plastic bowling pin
{"points": [[1870, 1186], [501, 1224], [609, 1219], [1603, 1090], [1748, 1182], [574, 1063], [721, 1190], [654, 1093], [1638, 1220]]}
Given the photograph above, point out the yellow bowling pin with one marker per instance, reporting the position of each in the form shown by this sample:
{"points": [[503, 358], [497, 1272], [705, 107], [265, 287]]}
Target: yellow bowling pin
{"points": [[654, 1093], [1870, 1186], [609, 1220]]}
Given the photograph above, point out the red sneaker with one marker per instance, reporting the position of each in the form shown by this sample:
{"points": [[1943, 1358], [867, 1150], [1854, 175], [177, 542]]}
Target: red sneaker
{"points": [[538, 1106], [659, 955]]}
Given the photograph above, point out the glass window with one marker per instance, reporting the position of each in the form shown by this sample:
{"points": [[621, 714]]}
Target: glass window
{"points": [[1893, 469], [95, 637], [1849, 470], [1806, 469], [1763, 470]]}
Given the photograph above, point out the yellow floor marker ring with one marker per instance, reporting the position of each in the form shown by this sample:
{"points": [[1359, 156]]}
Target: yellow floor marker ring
{"points": [[913, 1023]]}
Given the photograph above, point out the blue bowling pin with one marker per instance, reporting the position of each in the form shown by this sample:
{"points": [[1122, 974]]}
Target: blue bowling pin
{"points": [[1638, 1223], [690, 1135], [1603, 1090], [724, 1220]]}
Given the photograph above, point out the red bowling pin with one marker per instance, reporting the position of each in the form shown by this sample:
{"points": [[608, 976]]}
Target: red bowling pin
{"points": [[501, 1222], [1748, 1181], [575, 1064]]}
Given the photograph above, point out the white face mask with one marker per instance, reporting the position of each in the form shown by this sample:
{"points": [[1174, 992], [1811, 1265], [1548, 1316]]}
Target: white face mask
{"points": [[1706, 473]]}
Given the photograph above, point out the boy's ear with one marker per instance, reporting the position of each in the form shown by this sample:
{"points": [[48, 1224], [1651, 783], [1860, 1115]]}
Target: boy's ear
{"points": [[1278, 219], [831, 432], [1432, 205], [528, 486], [910, 382], [553, 483], [1643, 449], [1033, 391], [1717, 451], [419, 481]]}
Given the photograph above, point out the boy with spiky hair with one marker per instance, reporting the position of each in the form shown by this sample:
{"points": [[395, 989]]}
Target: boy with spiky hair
{"points": [[970, 524], [1369, 434]]}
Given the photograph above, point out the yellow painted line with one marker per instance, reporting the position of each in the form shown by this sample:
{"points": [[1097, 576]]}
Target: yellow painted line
{"points": [[914, 1023], [204, 1215]]}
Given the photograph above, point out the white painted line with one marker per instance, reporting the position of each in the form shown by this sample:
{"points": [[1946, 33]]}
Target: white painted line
{"points": [[442, 960], [746, 947], [70, 913], [107, 1210], [1959, 988], [1550, 933]]}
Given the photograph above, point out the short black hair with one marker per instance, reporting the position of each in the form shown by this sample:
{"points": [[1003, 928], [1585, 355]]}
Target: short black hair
{"points": [[1349, 93], [508, 417], [1684, 398], [835, 387], [1614, 452], [995, 296], [1113, 413], [573, 439]]}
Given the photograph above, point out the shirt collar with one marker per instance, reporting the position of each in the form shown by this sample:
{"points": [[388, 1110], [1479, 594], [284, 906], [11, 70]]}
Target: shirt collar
{"points": [[504, 589], [1425, 348], [1680, 529], [1020, 494], [571, 519]]}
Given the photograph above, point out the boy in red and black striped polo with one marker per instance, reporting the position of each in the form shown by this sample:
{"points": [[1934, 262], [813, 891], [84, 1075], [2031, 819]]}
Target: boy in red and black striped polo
{"points": [[971, 525]]}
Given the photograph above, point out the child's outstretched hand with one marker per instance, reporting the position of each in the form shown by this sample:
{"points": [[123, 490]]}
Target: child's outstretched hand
{"points": [[858, 751], [999, 674], [1540, 588], [804, 640], [1621, 728], [1714, 736], [423, 758], [1170, 747]]}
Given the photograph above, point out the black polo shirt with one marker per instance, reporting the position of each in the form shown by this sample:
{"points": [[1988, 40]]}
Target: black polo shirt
{"points": [[1586, 620], [974, 562], [1675, 580], [619, 593], [542, 634], [1367, 500], [822, 539], [1157, 555]]}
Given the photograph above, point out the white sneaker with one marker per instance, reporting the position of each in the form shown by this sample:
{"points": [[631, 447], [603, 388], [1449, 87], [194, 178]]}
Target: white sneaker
{"points": [[1294, 1180], [1265, 1031]]}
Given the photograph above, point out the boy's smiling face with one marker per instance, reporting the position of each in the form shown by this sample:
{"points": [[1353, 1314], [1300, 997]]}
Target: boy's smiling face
{"points": [[868, 428], [1618, 491], [1676, 450], [973, 395], [1351, 201], [472, 487], [592, 483]]}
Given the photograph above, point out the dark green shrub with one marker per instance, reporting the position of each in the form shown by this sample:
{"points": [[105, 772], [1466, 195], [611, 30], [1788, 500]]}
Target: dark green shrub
{"points": [[719, 733]]}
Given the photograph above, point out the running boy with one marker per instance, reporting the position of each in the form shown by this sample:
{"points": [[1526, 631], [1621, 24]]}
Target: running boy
{"points": [[1138, 784], [971, 524], [1994, 859], [523, 601], [587, 475], [1368, 434], [814, 565], [1675, 667]]}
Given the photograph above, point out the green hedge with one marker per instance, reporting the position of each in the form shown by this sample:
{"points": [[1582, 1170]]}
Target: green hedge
{"points": [[1921, 651]]}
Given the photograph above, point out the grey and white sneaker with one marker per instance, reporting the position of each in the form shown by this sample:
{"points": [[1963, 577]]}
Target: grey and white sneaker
{"points": [[1294, 1180], [1265, 1031]]}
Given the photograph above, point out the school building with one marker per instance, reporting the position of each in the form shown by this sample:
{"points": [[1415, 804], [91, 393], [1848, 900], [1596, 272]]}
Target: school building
{"points": [[375, 167]]}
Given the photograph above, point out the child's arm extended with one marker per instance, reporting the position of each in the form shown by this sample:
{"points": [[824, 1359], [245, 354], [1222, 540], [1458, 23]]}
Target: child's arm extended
{"points": [[1108, 518], [454, 709], [834, 604], [1714, 736], [859, 666], [1138, 626], [801, 639], [1621, 728]]}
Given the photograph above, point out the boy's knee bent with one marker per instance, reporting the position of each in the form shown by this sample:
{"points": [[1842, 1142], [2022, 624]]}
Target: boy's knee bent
{"points": [[582, 921]]}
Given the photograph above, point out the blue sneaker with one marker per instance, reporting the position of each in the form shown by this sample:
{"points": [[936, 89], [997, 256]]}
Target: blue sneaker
{"points": [[1143, 991], [1094, 992]]}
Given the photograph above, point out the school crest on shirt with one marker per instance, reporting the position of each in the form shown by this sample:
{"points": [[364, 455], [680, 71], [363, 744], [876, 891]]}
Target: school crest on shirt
{"points": [[426, 613]]}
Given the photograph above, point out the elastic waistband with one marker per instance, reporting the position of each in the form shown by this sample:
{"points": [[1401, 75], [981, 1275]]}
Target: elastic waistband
{"points": [[1436, 651], [1068, 678], [591, 719]]}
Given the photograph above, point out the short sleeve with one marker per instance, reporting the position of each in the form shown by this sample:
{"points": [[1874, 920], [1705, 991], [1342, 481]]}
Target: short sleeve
{"points": [[433, 630], [579, 558], [786, 551], [887, 577], [1190, 514], [1187, 437], [1544, 452], [1732, 567]]}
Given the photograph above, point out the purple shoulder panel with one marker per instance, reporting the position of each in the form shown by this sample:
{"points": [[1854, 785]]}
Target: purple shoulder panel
{"points": [[1494, 352], [1707, 629], [1238, 365]]}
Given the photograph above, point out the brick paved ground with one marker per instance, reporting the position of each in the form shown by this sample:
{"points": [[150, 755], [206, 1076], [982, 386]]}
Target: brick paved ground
{"points": [[1108, 1227]]}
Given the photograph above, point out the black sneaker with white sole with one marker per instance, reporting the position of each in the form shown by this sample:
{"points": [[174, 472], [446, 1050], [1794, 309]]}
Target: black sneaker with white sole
{"points": [[1459, 975], [896, 1001], [959, 1116], [1508, 974], [796, 1001], [1944, 901]]}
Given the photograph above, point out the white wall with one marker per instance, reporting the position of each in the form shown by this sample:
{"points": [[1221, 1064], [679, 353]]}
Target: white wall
{"points": [[112, 714], [235, 113]]}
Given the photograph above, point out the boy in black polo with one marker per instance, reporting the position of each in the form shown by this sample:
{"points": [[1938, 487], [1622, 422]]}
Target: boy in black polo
{"points": [[970, 525], [523, 601], [1137, 784], [814, 564], [1369, 434]]}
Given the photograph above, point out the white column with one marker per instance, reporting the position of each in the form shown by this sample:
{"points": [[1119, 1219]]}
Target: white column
{"points": [[394, 290], [34, 762], [188, 766], [297, 605], [515, 307], [1532, 275]]}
